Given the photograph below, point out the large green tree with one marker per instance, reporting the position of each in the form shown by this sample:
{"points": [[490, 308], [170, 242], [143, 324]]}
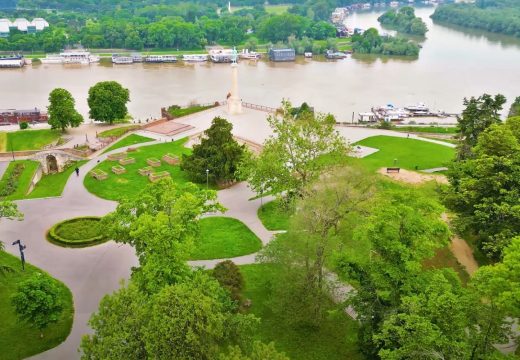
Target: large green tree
{"points": [[216, 157], [297, 153], [485, 189], [107, 101], [37, 302], [162, 225], [478, 114], [514, 110], [62, 113]]}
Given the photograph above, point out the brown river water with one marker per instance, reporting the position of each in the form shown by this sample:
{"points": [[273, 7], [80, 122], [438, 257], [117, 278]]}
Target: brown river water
{"points": [[453, 64]]}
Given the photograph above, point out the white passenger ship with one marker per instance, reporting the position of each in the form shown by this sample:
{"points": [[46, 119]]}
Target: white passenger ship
{"points": [[195, 57], [71, 57]]}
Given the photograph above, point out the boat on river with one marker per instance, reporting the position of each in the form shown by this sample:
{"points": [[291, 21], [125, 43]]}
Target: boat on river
{"points": [[160, 59], [15, 61], [81, 57], [122, 59], [195, 57], [331, 55], [249, 55]]}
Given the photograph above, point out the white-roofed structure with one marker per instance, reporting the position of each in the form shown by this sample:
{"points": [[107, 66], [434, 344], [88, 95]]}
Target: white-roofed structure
{"points": [[40, 24], [23, 25]]}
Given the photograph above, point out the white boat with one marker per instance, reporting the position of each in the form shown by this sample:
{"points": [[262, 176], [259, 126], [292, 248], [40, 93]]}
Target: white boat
{"points": [[121, 59], [195, 57], [220, 55], [249, 55], [420, 107], [160, 58], [71, 57], [307, 55], [12, 61]]}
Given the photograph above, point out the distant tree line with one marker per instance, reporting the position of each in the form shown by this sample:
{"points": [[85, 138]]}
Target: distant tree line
{"points": [[370, 42], [404, 20], [181, 26], [499, 16]]}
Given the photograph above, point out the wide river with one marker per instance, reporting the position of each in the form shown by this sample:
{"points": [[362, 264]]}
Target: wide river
{"points": [[453, 64]]}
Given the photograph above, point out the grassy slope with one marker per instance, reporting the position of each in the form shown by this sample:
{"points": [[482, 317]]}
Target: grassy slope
{"points": [[336, 339], [129, 140], [23, 181], [3, 142], [177, 113], [277, 9], [408, 152], [31, 139], [18, 340], [53, 184], [222, 237], [118, 131], [131, 183], [427, 129], [273, 216]]}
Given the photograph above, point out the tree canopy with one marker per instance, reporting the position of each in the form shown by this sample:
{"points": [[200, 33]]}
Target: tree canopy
{"points": [[404, 20], [107, 101], [217, 152], [62, 111], [370, 42]]}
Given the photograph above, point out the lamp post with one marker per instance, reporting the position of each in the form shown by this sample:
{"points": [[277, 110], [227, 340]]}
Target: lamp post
{"points": [[21, 247], [207, 179]]}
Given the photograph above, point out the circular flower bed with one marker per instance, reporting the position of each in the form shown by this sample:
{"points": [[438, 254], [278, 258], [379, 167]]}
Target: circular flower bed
{"points": [[77, 232]]}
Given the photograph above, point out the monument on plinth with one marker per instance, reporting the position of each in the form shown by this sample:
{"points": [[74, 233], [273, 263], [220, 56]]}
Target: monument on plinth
{"points": [[234, 103]]}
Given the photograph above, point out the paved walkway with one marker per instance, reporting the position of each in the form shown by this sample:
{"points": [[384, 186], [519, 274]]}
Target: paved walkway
{"points": [[3, 167], [90, 273]]}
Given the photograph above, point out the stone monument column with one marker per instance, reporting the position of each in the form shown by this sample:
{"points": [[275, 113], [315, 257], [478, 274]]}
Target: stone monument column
{"points": [[234, 102]]}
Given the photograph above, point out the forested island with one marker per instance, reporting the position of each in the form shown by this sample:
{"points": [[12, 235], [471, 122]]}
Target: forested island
{"points": [[370, 42], [498, 16], [404, 20]]}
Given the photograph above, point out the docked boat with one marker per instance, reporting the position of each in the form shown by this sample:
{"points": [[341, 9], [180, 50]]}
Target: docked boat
{"points": [[420, 107], [221, 55], [249, 55], [137, 57], [335, 55], [15, 61], [195, 57], [160, 59], [81, 57], [308, 55], [122, 59]]}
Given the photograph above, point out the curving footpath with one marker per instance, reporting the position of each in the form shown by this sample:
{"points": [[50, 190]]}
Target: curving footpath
{"points": [[92, 272]]}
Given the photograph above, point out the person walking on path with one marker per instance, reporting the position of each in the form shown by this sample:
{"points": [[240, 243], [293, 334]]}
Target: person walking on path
{"points": [[77, 171]]}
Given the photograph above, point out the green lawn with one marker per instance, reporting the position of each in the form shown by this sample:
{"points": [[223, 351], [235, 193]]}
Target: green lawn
{"points": [[410, 153], [53, 184], [178, 112], [24, 180], [222, 237], [131, 183], [118, 131], [274, 216], [427, 129], [336, 339], [3, 141], [18, 340], [128, 141], [30, 139]]}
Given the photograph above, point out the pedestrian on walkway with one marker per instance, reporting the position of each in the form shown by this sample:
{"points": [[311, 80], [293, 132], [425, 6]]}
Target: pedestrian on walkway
{"points": [[77, 171]]}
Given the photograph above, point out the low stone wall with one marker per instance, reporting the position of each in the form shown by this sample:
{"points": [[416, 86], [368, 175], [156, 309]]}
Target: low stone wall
{"points": [[37, 177]]}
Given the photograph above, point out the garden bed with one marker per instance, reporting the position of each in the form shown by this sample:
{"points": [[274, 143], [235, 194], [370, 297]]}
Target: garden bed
{"points": [[99, 174], [146, 171], [118, 169], [116, 156], [157, 176], [77, 232], [153, 162], [126, 161], [171, 159]]}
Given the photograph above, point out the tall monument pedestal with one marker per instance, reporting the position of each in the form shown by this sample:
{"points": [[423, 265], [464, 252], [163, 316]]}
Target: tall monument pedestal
{"points": [[234, 103]]}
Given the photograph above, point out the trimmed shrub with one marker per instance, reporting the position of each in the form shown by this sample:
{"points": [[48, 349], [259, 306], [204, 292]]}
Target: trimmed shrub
{"points": [[230, 278], [81, 231], [23, 125]]}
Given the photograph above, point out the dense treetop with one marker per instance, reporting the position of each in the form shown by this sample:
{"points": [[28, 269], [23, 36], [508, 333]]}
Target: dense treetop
{"points": [[404, 20], [370, 42]]}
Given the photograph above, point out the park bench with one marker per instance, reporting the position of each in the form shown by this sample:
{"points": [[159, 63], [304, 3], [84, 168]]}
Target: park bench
{"points": [[116, 157], [392, 170], [153, 162], [146, 171], [126, 161], [118, 169], [160, 175], [99, 174], [170, 159]]}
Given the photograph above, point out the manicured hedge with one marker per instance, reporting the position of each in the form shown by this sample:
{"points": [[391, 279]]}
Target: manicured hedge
{"points": [[60, 240]]}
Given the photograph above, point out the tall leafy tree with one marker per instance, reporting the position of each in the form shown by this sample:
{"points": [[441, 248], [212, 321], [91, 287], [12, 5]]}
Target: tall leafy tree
{"points": [[514, 110], [38, 302], [161, 224], [478, 114], [485, 189], [217, 152], [297, 153], [107, 101], [62, 111]]}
